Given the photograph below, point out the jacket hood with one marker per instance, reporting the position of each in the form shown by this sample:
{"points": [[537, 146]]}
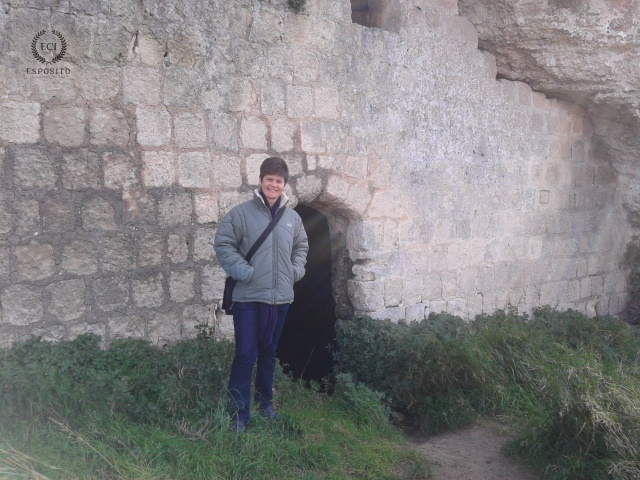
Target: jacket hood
{"points": [[284, 199]]}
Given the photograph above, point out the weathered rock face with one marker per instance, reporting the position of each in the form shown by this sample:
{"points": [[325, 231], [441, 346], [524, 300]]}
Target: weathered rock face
{"points": [[583, 51], [444, 189]]}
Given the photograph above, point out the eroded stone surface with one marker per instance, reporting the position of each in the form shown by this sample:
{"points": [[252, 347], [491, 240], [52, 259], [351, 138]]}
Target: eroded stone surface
{"points": [[444, 188]]}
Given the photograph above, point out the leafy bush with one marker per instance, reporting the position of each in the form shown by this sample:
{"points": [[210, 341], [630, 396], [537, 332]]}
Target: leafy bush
{"points": [[571, 383], [132, 378]]}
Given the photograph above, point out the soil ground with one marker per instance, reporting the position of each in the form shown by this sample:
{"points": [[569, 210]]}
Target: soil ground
{"points": [[474, 453]]}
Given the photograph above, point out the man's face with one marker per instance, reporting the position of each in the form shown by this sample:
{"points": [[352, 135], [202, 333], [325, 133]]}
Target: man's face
{"points": [[272, 186]]}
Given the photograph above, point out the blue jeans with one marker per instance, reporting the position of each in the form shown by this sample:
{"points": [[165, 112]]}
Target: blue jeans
{"points": [[246, 324]]}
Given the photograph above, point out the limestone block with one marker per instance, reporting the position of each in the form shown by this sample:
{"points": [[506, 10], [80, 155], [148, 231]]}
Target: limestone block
{"points": [[356, 167], [139, 206], [99, 84], [313, 137], [224, 327], [58, 214], [203, 244], [358, 198], [80, 258], [111, 293], [412, 288], [190, 130], [20, 122], [593, 265], [227, 172], [175, 209], [181, 286], [181, 88], [5, 262], [194, 169], [253, 133], [392, 291], [213, 99], [98, 214], [80, 170], [312, 162], [194, 315], [227, 200], [282, 135], [326, 102], [150, 249], [212, 278], [393, 314], [338, 139], [163, 328], [364, 271], [148, 292], [21, 305], [28, 221], [335, 191], [366, 296], [387, 203], [177, 248], [250, 61], [308, 188], [364, 239], [329, 162], [272, 98], [224, 132], [267, 27], [460, 30], [153, 126], [34, 169], [125, 326], [119, 171], [142, 86], [159, 169], [279, 63], [5, 220], [242, 96], [457, 306], [438, 306], [295, 162], [108, 127], [67, 300], [64, 125], [118, 253], [306, 66], [416, 313], [252, 168], [205, 207], [35, 261], [299, 101]]}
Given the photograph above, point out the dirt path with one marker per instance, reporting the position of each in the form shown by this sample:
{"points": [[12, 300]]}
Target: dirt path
{"points": [[471, 454]]}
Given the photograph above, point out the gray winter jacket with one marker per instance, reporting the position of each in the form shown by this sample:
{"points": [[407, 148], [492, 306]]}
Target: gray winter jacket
{"points": [[279, 262]]}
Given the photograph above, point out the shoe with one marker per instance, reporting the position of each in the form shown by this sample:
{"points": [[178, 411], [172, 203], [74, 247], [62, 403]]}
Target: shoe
{"points": [[269, 411], [238, 426]]}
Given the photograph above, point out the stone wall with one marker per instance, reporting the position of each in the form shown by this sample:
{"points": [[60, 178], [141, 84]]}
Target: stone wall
{"points": [[445, 189]]}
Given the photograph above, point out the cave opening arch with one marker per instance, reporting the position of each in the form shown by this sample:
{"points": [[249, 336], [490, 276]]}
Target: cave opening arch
{"points": [[320, 297]]}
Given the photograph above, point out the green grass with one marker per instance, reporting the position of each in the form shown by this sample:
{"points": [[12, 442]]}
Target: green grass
{"points": [[74, 411], [568, 385]]}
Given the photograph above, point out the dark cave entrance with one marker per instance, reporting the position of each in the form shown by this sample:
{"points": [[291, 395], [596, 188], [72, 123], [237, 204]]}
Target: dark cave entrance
{"points": [[310, 325]]}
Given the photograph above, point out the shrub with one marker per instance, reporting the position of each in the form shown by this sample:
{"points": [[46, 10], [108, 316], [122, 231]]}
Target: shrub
{"points": [[132, 378], [571, 383]]}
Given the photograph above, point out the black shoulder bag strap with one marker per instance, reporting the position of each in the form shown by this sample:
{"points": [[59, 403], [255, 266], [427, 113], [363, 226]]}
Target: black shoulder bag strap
{"points": [[230, 283], [265, 234]]}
